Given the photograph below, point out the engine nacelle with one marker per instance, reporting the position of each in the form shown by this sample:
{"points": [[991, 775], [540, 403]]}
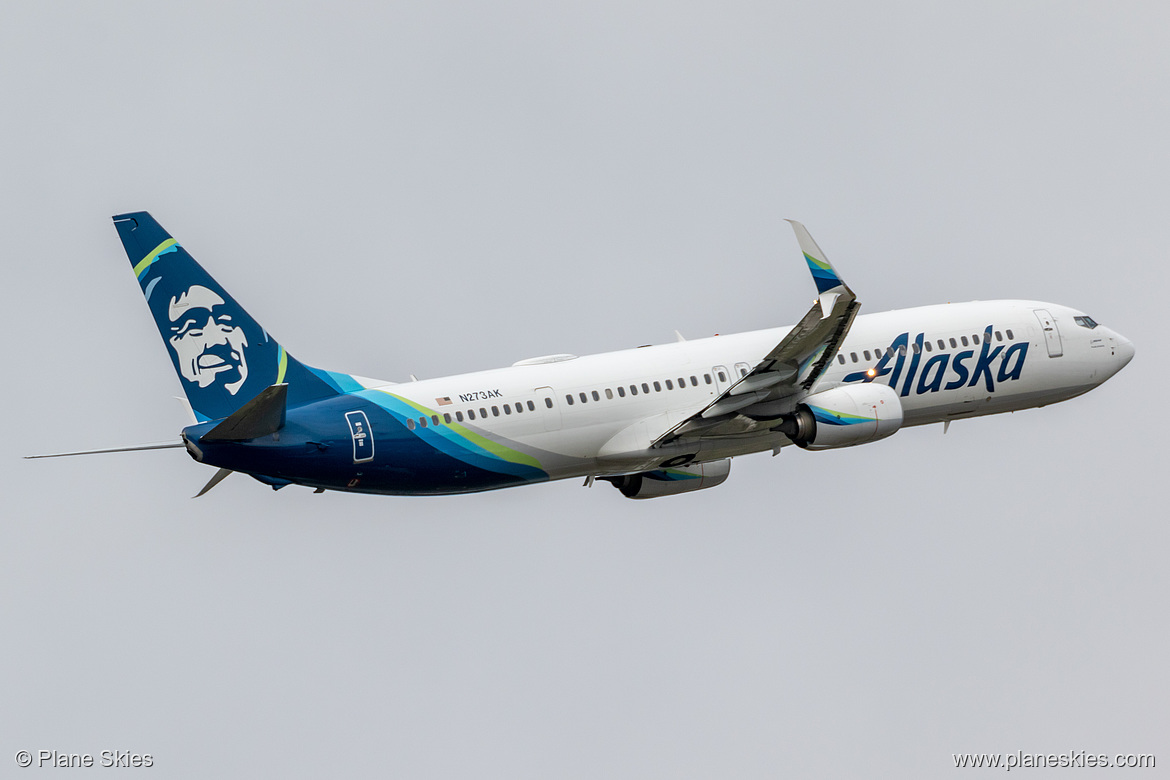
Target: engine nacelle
{"points": [[844, 417], [673, 480]]}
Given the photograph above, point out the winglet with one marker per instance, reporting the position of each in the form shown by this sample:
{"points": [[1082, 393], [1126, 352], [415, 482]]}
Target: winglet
{"points": [[828, 301], [823, 273]]}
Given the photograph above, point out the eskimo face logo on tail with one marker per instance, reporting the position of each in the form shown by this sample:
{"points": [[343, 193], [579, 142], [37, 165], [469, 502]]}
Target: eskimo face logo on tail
{"points": [[209, 347]]}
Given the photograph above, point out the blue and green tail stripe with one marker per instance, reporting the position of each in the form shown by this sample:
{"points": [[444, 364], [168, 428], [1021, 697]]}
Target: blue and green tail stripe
{"points": [[166, 247], [201, 323]]}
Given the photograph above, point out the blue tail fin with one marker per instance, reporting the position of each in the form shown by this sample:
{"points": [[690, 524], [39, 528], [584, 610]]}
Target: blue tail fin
{"points": [[222, 355]]}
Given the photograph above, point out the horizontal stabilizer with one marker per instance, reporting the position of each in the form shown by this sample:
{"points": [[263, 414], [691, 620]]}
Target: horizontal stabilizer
{"points": [[219, 476], [261, 416], [160, 445]]}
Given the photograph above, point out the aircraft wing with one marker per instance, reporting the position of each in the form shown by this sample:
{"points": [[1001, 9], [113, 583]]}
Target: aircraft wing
{"points": [[792, 366]]}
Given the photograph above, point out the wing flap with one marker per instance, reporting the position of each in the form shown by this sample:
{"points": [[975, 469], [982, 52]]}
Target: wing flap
{"points": [[793, 366]]}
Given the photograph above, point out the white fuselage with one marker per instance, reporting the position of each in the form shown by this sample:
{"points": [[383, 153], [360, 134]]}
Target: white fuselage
{"points": [[592, 415]]}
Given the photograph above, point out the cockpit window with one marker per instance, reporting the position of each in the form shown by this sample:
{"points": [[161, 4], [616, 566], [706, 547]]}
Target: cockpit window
{"points": [[1085, 322]]}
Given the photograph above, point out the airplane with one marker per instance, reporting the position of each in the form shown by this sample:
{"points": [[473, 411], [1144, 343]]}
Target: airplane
{"points": [[653, 421]]}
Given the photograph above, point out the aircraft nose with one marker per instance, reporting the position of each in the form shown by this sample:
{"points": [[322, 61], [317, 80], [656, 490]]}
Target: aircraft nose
{"points": [[1123, 352]]}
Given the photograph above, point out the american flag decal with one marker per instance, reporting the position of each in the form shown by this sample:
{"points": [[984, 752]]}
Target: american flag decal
{"points": [[444, 401]]}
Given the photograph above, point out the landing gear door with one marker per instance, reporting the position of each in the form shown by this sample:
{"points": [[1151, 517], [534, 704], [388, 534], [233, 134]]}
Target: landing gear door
{"points": [[1051, 333]]}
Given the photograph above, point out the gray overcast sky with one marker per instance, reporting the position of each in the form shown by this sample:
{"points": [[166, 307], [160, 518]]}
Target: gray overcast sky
{"points": [[432, 188]]}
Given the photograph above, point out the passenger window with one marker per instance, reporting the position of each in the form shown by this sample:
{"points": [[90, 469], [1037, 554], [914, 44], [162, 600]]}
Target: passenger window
{"points": [[495, 411], [866, 353], [853, 356], [917, 349], [890, 351], [507, 409], [548, 402], [633, 389], [902, 350], [953, 344], [927, 345], [596, 397], [1009, 334], [459, 416], [483, 412], [707, 378], [410, 424], [669, 385], [986, 337], [681, 383], [963, 339], [998, 336], [447, 417], [694, 381], [422, 421], [470, 414], [941, 345], [609, 394], [657, 388], [435, 418], [743, 372], [840, 358], [621, 391], [584, 398], [646, 387], [531, 406], [568, 399], [722, 376]]}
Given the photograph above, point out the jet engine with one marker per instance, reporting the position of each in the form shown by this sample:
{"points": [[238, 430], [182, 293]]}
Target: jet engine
{"points": [[844, 417], [673, 480]]}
